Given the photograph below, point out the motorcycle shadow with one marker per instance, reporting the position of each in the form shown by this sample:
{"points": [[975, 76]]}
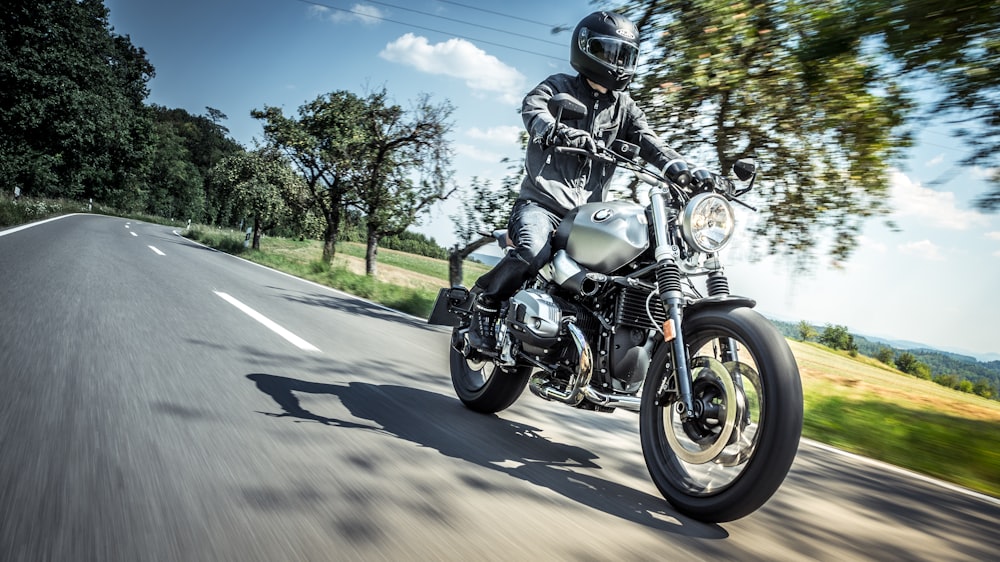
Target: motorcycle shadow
{"points": [[441, 423]]}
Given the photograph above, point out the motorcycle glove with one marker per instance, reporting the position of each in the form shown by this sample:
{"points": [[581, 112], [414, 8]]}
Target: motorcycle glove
{"points": [[570, 138]]}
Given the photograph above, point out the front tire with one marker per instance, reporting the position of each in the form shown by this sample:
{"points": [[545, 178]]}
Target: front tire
{"points": [[483, 386], [729, 459]]}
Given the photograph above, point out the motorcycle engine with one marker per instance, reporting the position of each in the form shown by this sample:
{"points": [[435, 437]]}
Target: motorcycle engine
{"points": [[535, 319]]}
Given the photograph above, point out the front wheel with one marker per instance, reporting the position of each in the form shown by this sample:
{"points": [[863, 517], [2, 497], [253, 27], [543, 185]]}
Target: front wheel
{"points": [[483, 386], [726, 459]]}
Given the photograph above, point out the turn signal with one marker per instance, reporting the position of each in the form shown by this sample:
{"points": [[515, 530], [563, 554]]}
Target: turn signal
{"points": [[668, 330]]}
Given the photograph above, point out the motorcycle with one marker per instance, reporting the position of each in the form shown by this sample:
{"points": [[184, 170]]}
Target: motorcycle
{"points": [[617, 320]]}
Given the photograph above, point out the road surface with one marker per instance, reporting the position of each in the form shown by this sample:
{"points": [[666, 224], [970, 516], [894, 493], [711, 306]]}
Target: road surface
{"points": [[163, 401]]}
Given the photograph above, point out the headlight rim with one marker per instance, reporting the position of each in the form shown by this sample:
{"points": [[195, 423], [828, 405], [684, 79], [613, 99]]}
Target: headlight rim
{"points": [[687, 229]]}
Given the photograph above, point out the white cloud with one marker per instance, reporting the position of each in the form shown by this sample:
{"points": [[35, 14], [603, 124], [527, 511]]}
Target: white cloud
{"points": [[938, 208], [475, 153], [362, 13], [935, 161], [499, 135], [995, 235], [872, 245], [459, 59], [924, 249], [980, 173]]}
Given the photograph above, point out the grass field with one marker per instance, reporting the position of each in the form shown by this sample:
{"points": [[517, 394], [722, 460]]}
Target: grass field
{"points": [[853, 403]]}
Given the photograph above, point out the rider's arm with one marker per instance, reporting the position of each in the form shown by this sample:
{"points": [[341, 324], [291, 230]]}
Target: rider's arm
{"points": [[651, 148], [535, 112]]}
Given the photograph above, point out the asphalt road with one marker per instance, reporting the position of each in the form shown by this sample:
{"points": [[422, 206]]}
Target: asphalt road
{"points": [[162, 401]]}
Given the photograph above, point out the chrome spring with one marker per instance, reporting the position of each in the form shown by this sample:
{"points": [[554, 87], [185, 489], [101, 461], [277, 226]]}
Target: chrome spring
{"points": [[718, 284]]}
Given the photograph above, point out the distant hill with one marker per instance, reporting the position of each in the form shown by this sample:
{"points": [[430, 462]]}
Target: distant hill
{"points": [[941, 363]]}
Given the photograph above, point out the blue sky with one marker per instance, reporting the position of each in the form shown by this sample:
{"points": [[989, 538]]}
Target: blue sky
{"points": [[934, 281]]}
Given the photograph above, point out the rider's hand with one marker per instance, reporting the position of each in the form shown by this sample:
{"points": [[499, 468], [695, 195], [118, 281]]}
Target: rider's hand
{"points": [[572, 138]]}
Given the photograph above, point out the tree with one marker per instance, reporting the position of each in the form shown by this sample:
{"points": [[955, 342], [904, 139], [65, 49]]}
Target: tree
{"points": [[885, 355], [483, 209], [72, 120], [806, 331], [906, 362], [837, 337], [203, 143], [736, 77], [262, 183], [323, 143], [175, 187], [403, 168], [954, 43]]}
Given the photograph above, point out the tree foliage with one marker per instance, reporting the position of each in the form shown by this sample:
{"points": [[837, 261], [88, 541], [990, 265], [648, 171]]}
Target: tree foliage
{"points": [[263, 183], [806, 332], [72, 120], [957, 44], [201, 142], [837, 337], [324, 143], [724, 80]]}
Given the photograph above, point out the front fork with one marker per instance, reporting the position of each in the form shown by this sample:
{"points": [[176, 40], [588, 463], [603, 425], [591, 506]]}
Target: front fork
{"points": [[668, 281]]}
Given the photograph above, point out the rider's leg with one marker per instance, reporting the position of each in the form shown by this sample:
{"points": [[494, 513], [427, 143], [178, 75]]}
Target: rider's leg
{"points": [[530, 227]]}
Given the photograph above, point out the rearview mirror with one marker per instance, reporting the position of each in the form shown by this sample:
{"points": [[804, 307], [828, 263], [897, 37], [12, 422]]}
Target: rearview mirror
{"points": [[745, 168], [565, 106]]}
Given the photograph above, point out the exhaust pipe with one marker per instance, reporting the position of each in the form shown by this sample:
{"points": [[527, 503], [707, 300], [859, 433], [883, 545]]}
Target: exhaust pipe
{"points": [[578, 382], [630, 403]]}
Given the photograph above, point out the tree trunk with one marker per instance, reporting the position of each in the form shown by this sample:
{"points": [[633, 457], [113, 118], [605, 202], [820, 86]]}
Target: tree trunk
{"points": [[455, 267], [456, 259], [371, 255], [330, 235], [256, 233]]}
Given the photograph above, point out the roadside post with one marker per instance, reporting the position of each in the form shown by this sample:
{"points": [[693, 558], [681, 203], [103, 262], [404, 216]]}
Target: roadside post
{"points": [[17, 194], [246, 241]]}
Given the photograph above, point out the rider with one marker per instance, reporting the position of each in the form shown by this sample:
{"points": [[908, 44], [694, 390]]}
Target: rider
{"points": [[603, 50]]}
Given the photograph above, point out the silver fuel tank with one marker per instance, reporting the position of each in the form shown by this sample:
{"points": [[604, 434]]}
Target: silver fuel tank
{"points": [[603, 237]]}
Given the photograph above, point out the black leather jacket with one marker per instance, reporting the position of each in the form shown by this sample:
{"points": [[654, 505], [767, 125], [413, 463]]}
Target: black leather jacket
{"points": [[561, 182]]}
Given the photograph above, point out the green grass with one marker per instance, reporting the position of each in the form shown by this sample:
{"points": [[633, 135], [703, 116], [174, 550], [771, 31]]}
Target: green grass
{"points": [[953, 448]]}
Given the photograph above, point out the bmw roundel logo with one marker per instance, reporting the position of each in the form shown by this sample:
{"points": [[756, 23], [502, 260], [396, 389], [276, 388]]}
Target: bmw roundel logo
{"points": [[602, 215]]}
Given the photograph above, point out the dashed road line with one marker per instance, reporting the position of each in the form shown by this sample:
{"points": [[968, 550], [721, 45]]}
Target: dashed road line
{"points": [[268, 323]]}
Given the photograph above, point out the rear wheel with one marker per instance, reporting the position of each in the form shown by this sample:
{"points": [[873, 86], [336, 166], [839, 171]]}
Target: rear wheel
{"points": [[483, 386], [728, 458]]}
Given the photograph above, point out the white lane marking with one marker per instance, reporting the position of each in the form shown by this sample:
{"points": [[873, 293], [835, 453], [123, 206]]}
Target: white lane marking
{"points": [[29, 225], [133, 234], [268, 323], [156, 250], [127, 225]]}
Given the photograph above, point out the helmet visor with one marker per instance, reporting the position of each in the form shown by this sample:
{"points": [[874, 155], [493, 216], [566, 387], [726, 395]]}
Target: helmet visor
{"points": [[615, 53]]}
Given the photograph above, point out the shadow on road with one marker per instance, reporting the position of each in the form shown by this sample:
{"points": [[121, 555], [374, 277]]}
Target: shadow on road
{"points": [[519, 450], [356, 306]]}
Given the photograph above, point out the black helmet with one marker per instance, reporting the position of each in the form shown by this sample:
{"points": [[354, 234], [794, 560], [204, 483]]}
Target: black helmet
{"points": [[604, 48]]}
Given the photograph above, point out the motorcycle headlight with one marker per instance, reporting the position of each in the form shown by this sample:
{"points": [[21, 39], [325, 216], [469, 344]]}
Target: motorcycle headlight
{"points": [[708, 222]]}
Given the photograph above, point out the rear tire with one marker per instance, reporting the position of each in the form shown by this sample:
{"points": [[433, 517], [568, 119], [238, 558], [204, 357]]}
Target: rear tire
{"points": [[724, 465], [481, 385]]}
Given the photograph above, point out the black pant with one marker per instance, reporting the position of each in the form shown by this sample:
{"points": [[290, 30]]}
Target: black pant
{"points": [[530, 227]]}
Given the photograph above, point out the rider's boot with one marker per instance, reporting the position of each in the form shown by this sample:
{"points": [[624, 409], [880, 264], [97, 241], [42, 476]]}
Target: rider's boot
{"points": [[482, 329]]}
